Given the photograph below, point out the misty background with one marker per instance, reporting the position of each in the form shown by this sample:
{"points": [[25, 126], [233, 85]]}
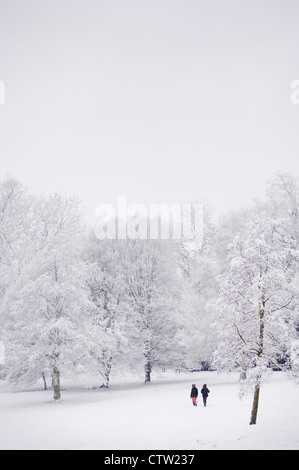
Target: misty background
{"points": [[163, 101]]}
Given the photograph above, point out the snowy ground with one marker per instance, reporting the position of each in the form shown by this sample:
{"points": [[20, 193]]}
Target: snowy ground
{"points": [[156, 416]]}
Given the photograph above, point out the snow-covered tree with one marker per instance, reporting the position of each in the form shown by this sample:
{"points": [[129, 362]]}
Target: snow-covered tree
{"points": [[198, 267], [16, 224], [198, 311], [112, 323], [44, 306], [46, 334], [257, 304], [152, 286]]}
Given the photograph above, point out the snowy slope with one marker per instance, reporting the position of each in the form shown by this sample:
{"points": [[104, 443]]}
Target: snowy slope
{"points": [[155, 416]]}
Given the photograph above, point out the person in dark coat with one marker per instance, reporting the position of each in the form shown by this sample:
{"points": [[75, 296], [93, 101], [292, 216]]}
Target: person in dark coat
{"points": [[194, 394], [205, 393]]}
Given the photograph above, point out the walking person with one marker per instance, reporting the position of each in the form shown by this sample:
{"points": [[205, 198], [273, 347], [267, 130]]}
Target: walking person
{"points": [[205, 393], [194, 394]]}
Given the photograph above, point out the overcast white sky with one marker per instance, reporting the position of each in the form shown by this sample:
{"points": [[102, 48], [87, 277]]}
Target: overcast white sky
{"points": [[158, 100]]}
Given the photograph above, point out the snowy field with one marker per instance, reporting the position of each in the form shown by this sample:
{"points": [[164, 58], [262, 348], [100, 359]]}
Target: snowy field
{"points": [[156, 416]]}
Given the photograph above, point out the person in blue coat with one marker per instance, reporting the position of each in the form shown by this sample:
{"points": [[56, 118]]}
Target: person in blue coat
{"points": [[205, 393]]}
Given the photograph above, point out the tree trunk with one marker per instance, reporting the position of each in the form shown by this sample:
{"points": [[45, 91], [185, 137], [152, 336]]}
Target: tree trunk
{"points": [[243, 373], [45, 382], [107, 371], [148, 370], [260, 352], [56, 377], [255, 404]]}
